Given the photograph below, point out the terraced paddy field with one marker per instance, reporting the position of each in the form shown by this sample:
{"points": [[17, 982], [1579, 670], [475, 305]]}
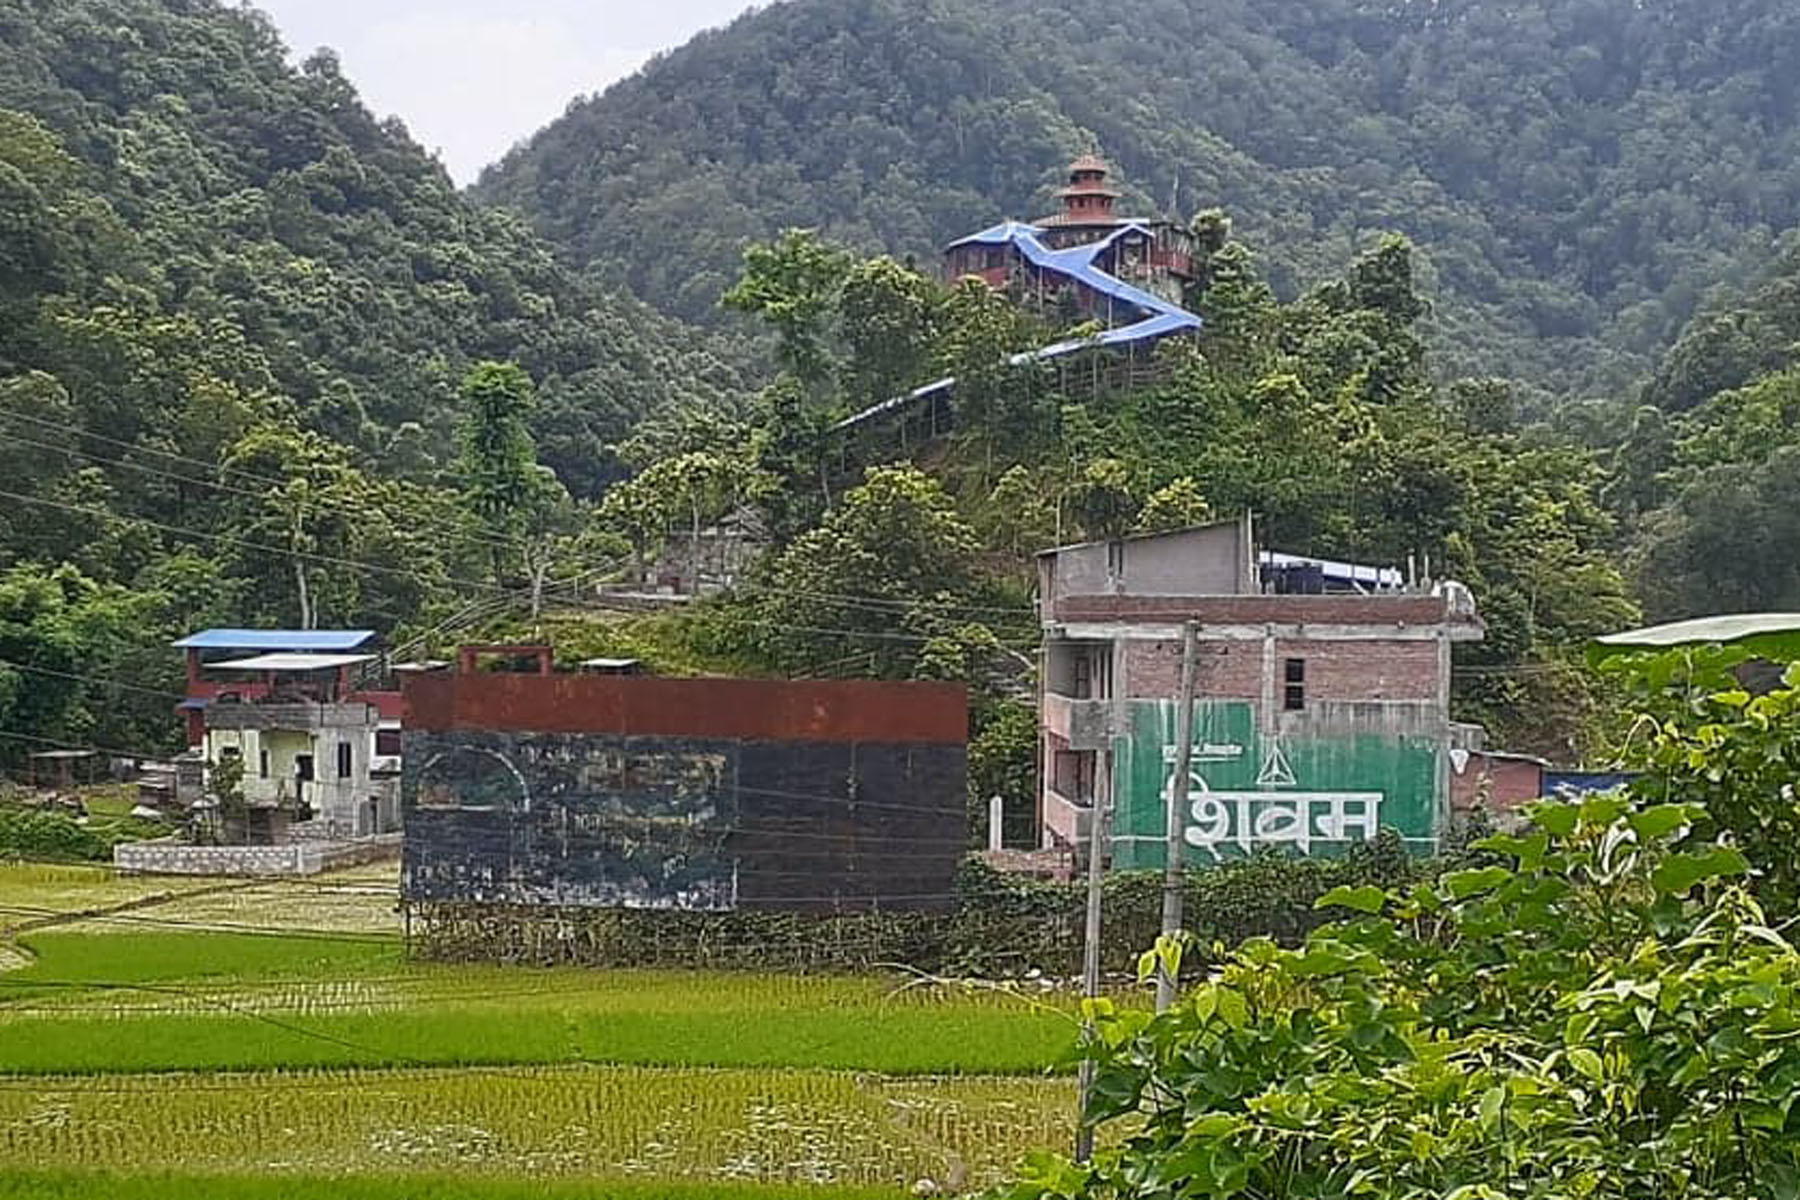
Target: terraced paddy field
{"points": [[208, 1041]]}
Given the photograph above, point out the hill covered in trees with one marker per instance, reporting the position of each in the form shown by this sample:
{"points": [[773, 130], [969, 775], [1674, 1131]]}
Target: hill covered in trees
{"points": [[165, 164], [1707, 472], [236, 317], [1577, 175]]}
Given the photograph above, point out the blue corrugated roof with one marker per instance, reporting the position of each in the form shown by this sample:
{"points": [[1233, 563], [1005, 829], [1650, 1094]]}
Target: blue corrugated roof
{"points": [[998, 235], [302, 640], [1077, 262]]}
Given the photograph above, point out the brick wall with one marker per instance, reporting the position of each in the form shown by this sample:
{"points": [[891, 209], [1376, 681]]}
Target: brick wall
{"points": [[1497, 784], [1257, 610], [1335, 670]]}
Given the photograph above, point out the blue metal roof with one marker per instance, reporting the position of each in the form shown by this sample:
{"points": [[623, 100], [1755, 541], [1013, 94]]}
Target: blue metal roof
{"points": [[1341, 571], [998, 235], [302, 640], [1160, 317]]}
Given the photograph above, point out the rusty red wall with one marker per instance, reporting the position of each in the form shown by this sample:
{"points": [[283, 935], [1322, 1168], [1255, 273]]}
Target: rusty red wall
{"points": [[762, 709], [1495, 783]]}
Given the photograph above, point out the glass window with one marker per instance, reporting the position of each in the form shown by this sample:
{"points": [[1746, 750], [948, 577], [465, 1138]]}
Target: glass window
{"points": [[1295, 697]]}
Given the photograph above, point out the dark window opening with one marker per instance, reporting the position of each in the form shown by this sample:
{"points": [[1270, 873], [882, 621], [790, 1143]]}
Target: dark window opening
{"points": [[343, 760], [1084, 675], [1294, 699], [387, 743], [262, 765]]}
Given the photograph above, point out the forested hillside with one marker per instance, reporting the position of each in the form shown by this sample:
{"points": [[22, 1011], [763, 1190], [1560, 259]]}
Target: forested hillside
{"points": [[1320, 415], [1707, 472], [180, 171], [1578, 175], [235, 312]]}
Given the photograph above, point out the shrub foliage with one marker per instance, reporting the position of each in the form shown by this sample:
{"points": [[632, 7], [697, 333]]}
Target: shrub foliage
{"points": [[1602, 1011]]}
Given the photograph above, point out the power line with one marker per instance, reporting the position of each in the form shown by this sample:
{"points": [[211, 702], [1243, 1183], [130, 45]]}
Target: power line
{"points": [[328, 559], [870, 603], [334, 560], [266, 481], [98, 681]]}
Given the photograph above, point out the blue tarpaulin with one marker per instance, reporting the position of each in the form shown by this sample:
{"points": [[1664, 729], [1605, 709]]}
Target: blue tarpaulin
{"points": [[1583, 782], [300, 640], [1160, 317]]}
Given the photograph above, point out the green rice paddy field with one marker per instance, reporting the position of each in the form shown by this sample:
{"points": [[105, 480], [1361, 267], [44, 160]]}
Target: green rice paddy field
{"points": [[176, 1038]]}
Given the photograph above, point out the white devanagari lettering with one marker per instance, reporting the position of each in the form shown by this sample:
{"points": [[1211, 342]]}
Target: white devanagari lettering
{"points": [[1298, 819]]}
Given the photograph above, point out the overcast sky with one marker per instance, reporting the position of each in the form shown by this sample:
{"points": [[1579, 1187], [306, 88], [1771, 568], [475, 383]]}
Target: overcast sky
{"points": [[471, 77]]}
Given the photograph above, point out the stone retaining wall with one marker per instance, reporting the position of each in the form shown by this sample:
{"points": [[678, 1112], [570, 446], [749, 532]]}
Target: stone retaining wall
{"points": [[174, 858]]}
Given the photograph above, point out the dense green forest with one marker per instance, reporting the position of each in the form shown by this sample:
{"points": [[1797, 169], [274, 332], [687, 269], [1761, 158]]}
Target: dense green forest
{"points": [[1578, 175], [235, 311]]}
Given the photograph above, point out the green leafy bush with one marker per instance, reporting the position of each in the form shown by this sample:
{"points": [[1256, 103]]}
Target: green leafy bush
{"points": [[1601, 1011], [35, 834]]}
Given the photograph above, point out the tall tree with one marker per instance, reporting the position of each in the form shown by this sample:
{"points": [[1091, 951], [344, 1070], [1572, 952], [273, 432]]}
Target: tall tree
{"points": [[792, 285], [498, 465]]}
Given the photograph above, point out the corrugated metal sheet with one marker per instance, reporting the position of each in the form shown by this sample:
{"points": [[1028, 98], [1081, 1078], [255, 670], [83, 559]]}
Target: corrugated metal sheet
{"points": [[1160, 320], [292, 662], [1707, 629], [299, 640]]}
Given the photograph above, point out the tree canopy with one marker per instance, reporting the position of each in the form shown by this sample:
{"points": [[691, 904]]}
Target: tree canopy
{"points": [[1578, 177]]}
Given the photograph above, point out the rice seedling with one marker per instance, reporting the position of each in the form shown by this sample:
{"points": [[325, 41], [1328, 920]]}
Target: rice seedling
{"points": [[80, 1185], [699, 1126], [161, 1002]]}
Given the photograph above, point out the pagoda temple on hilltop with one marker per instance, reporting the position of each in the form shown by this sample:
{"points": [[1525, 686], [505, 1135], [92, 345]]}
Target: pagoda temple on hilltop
{"points": [[1153, 253], [1127, 274]]}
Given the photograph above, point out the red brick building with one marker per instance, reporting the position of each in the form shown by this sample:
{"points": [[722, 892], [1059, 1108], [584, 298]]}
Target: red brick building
{"points": [[1322, 694]]}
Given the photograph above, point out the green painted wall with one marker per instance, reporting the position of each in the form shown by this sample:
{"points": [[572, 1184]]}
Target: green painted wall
{"points": [[1312, 794]]}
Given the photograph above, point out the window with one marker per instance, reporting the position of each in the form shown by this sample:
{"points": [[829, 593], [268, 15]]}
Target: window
{"points": [[1084, 675], [262, 765], [343, 760], [1073, 773], [1295, 698], [387, 743]]}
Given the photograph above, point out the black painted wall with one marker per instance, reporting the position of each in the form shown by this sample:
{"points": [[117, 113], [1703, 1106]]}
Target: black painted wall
{"points": [[703, 824]]}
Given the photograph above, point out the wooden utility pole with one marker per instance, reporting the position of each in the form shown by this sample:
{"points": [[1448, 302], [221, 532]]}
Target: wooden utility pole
{"points": [[1098, 814], [1179, 784]]}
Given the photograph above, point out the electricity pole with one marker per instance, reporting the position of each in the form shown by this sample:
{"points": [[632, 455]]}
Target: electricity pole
{"points": [[1179, 784], [1099, 813]]}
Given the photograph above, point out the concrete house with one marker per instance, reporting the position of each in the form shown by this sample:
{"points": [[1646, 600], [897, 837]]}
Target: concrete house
{"points": [[1322, 699], [320, 755]]}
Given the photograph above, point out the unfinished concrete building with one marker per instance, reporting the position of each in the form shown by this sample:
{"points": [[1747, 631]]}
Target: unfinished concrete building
{"points": [[1322, 698]]}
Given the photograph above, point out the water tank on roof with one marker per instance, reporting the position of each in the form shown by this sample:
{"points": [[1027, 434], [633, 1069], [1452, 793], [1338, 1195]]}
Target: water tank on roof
{"points": [[1460, 600]]}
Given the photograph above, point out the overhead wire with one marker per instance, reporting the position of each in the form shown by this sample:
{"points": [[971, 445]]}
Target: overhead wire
{"points": [[336, 560], [266, 481]]}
